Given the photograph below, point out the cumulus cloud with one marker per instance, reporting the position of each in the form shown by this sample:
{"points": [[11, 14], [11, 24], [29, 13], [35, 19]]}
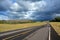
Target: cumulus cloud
{"points": [[15, 7], [2, 17], [34, 6], [58, 15], [30, 9], [47, 5], [20, 15]]}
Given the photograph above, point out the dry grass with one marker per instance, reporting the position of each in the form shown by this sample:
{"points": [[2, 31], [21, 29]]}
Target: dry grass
{"points": [[56, 26], [8, 27]]}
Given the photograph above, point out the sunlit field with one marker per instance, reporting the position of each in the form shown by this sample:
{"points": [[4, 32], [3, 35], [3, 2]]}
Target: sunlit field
{"points": [[8, 27], [56, 26]]}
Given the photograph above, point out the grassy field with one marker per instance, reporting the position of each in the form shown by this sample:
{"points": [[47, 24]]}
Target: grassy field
{"points": [[56, 26], [8, 27]]}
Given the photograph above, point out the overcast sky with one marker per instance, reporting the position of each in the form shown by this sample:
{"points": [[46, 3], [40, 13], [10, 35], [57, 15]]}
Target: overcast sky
{"points": [[29, 9]]}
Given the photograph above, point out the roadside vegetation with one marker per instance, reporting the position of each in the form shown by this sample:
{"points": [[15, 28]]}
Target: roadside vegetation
{"points": [[9, 27], [56, 26], [16, 21], [57, 19]]}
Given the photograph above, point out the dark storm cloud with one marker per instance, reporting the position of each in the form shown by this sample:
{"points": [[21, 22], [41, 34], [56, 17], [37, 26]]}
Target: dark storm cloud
{"points": [[32, 0], [4, 5], [31, 9]]}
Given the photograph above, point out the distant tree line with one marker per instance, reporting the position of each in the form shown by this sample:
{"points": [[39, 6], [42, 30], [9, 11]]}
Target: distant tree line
{"points": [[16, 21], [57, 19]]}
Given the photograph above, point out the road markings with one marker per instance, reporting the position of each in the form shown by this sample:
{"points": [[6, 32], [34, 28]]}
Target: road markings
{"points": [[49, 33], [16, 35]]}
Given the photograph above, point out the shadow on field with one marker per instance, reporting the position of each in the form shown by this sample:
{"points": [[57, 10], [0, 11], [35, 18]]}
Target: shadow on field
{"points": [[54, 35]]}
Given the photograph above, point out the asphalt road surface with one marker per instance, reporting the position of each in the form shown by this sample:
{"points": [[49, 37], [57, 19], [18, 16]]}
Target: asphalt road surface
{"points": [[32, 33], [41, 34]]}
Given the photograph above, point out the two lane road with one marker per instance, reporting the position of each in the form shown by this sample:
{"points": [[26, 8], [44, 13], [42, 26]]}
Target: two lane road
{"points": [[33, 33]]}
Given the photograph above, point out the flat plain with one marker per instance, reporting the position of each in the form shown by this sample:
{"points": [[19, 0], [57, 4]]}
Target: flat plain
{"points": [[9, 27]]}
